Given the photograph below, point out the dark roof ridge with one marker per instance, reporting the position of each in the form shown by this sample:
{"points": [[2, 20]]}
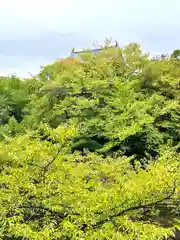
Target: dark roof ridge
{"points": [[96, 49]]}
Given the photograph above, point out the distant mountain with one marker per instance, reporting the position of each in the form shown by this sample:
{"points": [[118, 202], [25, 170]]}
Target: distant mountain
{"points": [[53, 45], [27, 55], [163, 40], [50, 45]]}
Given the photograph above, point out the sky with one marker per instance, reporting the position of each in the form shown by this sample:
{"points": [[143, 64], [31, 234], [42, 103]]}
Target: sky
{"points": [[37, 32]]}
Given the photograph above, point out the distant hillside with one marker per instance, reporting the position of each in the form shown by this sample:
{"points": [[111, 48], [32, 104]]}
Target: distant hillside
{"points": [[50, 44]]}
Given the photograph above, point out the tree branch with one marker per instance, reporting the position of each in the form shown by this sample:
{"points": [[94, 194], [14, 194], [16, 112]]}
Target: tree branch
{"points": [[133, 208], [59, 215]]}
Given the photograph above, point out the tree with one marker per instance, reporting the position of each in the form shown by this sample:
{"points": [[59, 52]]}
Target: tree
{"points": [[176, 54], [92, 151]]}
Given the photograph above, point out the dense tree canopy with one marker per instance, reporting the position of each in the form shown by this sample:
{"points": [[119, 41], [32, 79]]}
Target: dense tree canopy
{"points": [[89, 149]]}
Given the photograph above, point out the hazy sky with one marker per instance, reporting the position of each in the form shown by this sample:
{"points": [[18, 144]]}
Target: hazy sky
{"points": [[37, 32]]}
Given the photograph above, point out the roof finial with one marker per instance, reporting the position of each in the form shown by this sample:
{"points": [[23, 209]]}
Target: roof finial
{"points": [[73, 50], [116, 44]]}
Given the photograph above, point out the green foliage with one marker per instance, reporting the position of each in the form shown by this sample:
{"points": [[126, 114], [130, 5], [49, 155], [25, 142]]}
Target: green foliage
{"points": [[47, 194], [176, 54], [89, 148]]}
